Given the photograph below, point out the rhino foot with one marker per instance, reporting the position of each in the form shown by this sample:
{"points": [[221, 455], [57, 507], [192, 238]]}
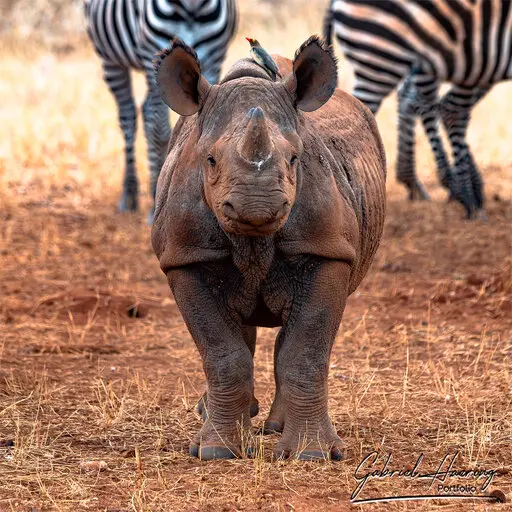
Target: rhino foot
{"points": [[210, 444], [212, 452], [213, 442], [310, 444], [311, 452]]}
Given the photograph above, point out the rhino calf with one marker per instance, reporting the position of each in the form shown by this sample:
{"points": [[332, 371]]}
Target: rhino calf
{"points": [[270, 207]]}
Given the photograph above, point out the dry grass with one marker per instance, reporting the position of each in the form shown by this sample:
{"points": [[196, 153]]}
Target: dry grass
{"points": [[422, 364]]}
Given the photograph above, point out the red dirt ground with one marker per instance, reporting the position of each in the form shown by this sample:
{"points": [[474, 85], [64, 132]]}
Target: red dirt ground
{"points": [[96, 364]]}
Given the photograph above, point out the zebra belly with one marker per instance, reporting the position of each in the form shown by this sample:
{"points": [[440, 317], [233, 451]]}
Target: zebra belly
{"points": [[112, 26]]}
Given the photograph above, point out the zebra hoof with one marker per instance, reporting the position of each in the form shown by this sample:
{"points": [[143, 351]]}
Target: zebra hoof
{"points": [[151, 215], [482, 216], [417, 192], [128, 203], [475, 214]]}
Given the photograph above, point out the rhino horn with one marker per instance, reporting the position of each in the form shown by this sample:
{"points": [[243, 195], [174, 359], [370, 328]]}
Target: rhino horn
{"points": [[256, 144]]}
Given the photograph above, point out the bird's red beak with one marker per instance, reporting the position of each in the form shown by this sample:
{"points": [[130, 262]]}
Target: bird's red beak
{"points": [[249, 39]]}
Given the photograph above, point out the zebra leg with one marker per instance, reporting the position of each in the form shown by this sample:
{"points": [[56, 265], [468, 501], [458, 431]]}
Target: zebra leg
{"points": [[213, 63], [428, 89], [119, 82], [408, 108], [476, 177], [466, 184], [430, 119], [157, 129], [371, 90], [419, 94]]}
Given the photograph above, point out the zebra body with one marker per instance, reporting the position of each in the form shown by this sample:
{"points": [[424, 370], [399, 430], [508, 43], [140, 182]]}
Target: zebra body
{"points": [[127, 34], [467, 43]]}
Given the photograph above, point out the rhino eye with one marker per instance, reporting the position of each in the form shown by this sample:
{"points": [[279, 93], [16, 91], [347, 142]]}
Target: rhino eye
{"points": [[211, 160], [293, 159]]}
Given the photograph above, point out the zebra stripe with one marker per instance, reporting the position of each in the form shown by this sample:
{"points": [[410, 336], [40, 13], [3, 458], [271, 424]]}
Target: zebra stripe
{"points": [[467, 43], [127, 34]]}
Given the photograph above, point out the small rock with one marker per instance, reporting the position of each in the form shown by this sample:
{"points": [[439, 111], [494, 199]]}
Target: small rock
{"points": [[395, 268], [440, 298], [401, 295], [93, 465], [474, 280]]}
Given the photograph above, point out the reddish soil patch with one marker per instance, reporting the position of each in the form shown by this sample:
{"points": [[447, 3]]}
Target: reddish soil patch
{"points": [[96, 364]]}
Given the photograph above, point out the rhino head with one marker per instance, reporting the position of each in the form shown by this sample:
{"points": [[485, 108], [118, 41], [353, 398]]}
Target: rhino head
{"points": [[248, 130]]}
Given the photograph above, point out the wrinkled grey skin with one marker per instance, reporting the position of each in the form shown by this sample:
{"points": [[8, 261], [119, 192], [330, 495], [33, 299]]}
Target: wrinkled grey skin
{"points": [[270, 207]]}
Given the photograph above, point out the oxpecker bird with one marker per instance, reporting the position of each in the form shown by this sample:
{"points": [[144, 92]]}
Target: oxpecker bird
{"points": [[259, 55]]}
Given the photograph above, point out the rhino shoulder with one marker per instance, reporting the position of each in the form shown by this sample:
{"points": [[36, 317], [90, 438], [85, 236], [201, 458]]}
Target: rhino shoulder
{"points": [[184, 229]]}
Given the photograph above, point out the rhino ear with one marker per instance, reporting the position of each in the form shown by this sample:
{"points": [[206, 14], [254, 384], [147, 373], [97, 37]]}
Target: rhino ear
{"points": [[178, 75], [314, 76]]}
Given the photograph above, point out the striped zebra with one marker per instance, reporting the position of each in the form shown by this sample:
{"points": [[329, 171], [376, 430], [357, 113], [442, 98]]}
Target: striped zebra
{"points": [[467, 43], [417, 97], [127, 34]]}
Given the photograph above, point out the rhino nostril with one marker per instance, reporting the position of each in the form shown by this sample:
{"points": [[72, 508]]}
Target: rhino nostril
{"points": [[284, 208], [229, 210]]}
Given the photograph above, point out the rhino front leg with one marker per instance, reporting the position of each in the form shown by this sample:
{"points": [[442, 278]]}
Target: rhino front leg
{"points": [[227, 363], [249, 333], [302, 364]]}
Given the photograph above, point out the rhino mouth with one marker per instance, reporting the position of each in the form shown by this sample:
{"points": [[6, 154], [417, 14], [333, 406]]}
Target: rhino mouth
{"points": [[238, 225], [241, 228]]}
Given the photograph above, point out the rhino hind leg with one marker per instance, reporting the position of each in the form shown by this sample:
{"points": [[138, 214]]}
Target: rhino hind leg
{"points": [[275, 419], [274, 424]]}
